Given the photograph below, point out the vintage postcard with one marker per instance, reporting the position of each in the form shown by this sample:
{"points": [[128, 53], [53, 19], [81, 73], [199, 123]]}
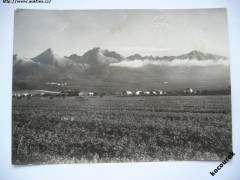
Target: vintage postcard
{"points": [[120, 86]]}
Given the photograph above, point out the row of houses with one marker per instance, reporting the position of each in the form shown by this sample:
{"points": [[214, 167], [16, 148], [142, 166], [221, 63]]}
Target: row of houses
{"points": [[35, 93], [144, 93], [46, 93], [22, 95], [56, 84], [187, 91], [69, 92]]}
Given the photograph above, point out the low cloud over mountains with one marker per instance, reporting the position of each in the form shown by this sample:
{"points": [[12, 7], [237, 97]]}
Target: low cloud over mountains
{"points": [[97, 56], [98, 68]]}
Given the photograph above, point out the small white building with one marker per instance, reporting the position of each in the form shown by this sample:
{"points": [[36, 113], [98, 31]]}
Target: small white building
{"points": [[160, 92], [25, 94], [188, 91], [81, 93], [154, 92], [146, 92], [138, 93], [91, 94], [127, 92]]}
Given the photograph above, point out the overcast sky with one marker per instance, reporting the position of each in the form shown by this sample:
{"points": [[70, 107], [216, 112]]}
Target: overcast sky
{"points": [[148, 32]]}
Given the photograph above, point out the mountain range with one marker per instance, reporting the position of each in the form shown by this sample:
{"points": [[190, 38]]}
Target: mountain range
{"points": [[101, 69], [197, 55]]}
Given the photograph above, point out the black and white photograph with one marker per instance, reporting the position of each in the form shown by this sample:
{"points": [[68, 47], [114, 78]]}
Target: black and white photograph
{"points": [[96, 86]]}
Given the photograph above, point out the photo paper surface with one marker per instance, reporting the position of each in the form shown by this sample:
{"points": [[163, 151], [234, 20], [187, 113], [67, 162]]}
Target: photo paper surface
{"points": [[120, 86]]}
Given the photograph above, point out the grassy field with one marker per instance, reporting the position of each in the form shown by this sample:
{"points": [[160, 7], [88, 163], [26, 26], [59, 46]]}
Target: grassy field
{"points": [[120, 129]]}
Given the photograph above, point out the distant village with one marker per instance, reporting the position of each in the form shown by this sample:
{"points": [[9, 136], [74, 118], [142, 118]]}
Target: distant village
{"points": [[78, 93]]}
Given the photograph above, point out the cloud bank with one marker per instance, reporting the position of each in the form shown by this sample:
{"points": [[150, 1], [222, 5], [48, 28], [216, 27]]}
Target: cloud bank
{"points": [[173, 63]]}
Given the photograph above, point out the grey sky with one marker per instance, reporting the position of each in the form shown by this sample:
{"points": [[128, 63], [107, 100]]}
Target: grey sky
{"points": [[148, 32]]}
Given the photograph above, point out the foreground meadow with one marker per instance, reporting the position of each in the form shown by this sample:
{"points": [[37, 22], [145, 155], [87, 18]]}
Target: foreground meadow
{"points": [[69, 130]]}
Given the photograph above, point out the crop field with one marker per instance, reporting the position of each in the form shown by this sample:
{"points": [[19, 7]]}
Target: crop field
{"points": [[120, 129]]}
